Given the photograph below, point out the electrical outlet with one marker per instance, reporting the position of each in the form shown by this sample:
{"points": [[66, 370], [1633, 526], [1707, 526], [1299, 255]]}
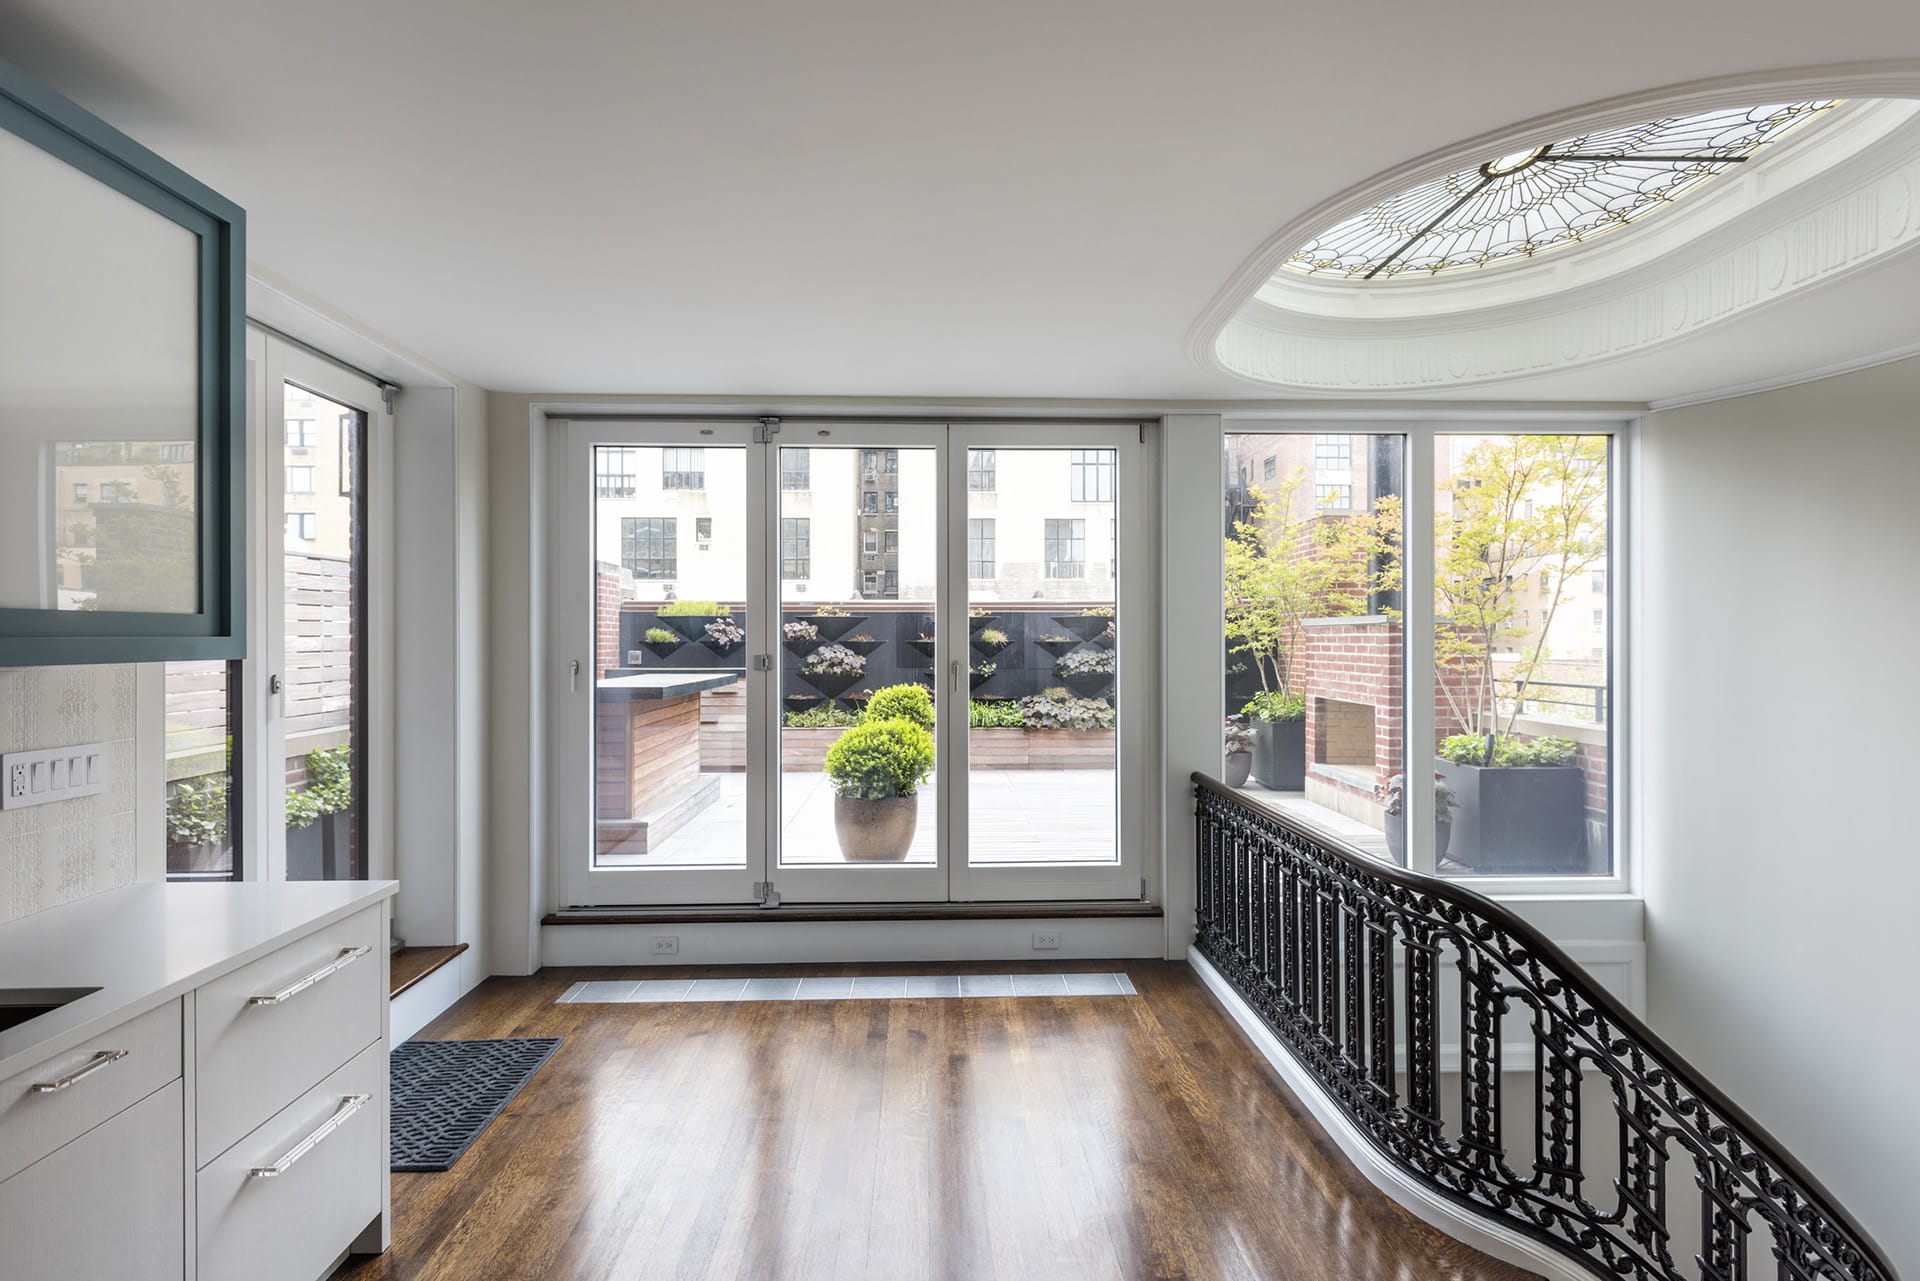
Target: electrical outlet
{"points": [[666, 944], [1046, 940], [53, 774]]}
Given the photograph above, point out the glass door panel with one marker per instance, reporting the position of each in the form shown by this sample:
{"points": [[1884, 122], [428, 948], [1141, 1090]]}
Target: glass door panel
{"points": [[670, 656], [857, 554]]}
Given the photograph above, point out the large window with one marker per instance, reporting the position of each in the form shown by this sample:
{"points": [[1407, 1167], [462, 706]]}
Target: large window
{"points": [[1066, 548], [979, 547], [1091, 473], [796, 558], [796, 469], [981, 468], [683, 469], [614, 472], [1521, 673], [648, 546], [1321, 709]]}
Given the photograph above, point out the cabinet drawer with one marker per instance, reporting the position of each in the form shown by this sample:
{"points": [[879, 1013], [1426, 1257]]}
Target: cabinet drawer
{"points": [[293, 1225], [106, 1075], [106, 1207], [254, 1058]]}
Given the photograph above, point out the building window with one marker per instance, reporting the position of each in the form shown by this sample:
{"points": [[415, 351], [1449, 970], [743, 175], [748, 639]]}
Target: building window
{"points": [[1334, 497], [1333, 453], [890, 500], [890, 540], [870, 542], [981, 465], [299, 480], [890, 583], [79, 493], [703, 530], [121, 491], [870, 502], [1092, 475], [1546, 582], [796, 554], [176, 453], [979, 548], [869, 464], [796, 469], [1599, 582], [648, 546], [683, 469], [1067, 547], [300, 433], [1270, 468], [870, 583], [890, 462], [302, 525], [614, 472], [1599, 620]]}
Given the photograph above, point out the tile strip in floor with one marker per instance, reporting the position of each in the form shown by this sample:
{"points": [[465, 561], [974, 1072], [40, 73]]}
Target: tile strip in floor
{"points": [[888, 988]]}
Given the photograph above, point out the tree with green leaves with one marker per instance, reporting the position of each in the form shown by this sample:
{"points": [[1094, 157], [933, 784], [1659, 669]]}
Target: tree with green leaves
{"points": [[1284, 567], [1521, 505]]}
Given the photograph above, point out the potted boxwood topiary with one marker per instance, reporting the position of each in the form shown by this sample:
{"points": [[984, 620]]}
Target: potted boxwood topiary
{"points": [[901, 702], [1444, 804], [1239, 746], [875, 768], [1522, 805], [1279, 739]]}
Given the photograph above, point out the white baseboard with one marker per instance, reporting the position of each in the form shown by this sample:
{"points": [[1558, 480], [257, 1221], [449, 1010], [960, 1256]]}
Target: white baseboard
{"points": [[1486, 1236], [778, 942], [422, 1003]]}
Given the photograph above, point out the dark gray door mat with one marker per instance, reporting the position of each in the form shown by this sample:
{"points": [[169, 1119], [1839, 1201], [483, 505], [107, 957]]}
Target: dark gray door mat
{"points": [[444, 1093]]}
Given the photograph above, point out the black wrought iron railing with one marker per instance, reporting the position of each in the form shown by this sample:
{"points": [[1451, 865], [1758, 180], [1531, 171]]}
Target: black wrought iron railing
{"points": [[1406, 996]]}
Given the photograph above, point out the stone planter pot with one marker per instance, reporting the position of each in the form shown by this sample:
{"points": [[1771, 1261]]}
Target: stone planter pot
{"points": [[1397, 837], [1239, 766], [1280, 755], [1529, 820], [875, 831]]}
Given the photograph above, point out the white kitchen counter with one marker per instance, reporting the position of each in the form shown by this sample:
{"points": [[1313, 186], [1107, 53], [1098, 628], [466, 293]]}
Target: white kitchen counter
{"points": [[143, 945]]}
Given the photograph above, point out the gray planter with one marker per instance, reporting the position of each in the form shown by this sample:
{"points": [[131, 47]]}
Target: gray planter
{"points": [[1239, 766], [1526, 821], [875, 831], [1397, 837], [1280, 755]]}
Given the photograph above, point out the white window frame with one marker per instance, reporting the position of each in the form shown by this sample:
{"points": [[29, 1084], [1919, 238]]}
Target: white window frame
{"points": [[1422, 430]]}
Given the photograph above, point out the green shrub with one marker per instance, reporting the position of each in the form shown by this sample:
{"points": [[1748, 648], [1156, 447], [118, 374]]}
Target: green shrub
{"points": [[1087, 662], [197, 815], [876, 760], [1272, 705], [329, 790], [992, 637], [994, 713], [1057, 709], [660, 636], [694, 609], [1508, 752], [825, 716], [902, 703]]}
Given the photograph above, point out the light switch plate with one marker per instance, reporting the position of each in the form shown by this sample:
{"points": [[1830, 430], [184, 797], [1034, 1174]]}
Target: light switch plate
{"points": [[52, 774]]}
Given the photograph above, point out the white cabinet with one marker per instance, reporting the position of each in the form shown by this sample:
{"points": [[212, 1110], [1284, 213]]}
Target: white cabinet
{"points": [[107, 1206]]}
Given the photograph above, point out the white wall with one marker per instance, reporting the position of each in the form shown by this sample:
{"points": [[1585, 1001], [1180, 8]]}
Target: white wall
{"points": [[1779, 705]]}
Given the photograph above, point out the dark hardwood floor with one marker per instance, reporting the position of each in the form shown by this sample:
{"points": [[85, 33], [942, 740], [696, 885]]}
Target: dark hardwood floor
{"points": [[1033, 1138]]}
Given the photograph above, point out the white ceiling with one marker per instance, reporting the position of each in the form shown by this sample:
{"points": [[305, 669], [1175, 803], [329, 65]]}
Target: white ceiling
{"points": [[871, 197]]}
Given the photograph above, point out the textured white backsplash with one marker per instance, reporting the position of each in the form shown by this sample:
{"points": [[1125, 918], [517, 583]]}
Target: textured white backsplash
{"points": [[52, 854]]}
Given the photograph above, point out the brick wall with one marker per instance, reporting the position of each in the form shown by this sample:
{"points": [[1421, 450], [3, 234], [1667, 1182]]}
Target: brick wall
{"points": [[606, 620], [1349, 670]]}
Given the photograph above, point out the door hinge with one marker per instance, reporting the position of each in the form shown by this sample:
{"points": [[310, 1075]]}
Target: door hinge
{"points": [[387, 392], [769, 428], [768, 896]]}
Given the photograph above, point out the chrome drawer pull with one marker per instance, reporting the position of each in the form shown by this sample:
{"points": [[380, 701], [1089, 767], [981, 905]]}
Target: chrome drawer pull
{"points": [[349, 1104], [81, 1073], [348, 955]]}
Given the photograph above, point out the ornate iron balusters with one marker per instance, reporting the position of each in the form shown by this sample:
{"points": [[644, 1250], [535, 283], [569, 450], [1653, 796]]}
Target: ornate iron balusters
{"points": [[1344, 956]]}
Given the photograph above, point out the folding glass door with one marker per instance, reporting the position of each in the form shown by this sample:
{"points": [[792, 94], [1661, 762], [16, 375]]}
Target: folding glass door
{"points": [[852, 661]]}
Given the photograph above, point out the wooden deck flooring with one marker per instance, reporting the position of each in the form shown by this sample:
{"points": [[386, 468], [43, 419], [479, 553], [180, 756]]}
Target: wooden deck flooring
{"points": [[1071, 1139]]}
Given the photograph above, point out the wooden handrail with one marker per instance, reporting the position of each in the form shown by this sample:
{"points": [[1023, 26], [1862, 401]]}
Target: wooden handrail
{"points": [[1341, 954]]}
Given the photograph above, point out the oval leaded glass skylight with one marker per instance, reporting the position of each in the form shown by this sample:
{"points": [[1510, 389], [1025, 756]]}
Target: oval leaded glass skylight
{"points": [[1542, 198]]}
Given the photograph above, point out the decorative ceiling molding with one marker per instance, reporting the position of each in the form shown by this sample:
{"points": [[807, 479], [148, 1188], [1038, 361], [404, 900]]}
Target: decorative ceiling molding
{"points": [[1812, 236]]}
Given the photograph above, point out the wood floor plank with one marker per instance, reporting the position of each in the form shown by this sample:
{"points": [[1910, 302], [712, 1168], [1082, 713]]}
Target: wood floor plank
{"points": [[1077, 1138]]}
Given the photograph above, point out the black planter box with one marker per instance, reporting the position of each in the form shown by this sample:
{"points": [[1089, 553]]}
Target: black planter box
{"points": [[1280, 755], [1530, 820]]}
